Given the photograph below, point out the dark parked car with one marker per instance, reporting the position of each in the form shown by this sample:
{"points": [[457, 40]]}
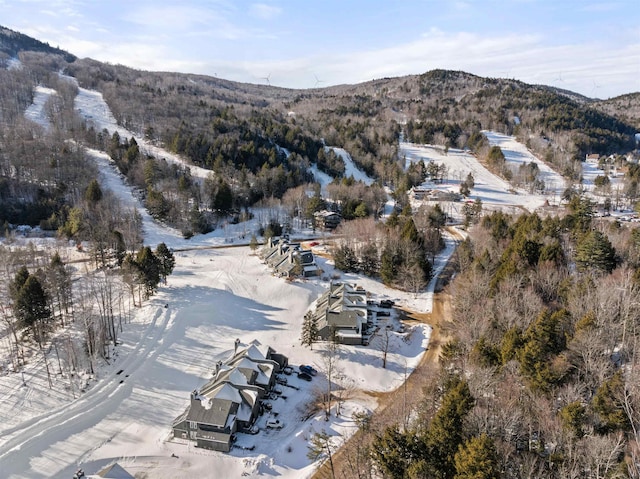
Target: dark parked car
{"points": [[387, 303], [308, 369], [305, 376]]}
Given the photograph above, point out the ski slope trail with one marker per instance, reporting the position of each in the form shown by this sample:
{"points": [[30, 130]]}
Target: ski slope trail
{"points": [[36, 111], [494, 191], [154, 232], [22, 446], [350, 168], [518, 154], [93, 108]]}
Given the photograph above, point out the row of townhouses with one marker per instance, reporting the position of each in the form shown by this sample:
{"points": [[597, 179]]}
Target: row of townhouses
{"points": [[341, 313], [230, 401], [289, 259]]}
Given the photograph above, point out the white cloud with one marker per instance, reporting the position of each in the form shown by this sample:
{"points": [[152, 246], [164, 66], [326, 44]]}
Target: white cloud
{"points": [[590, 69], [264, 11]]}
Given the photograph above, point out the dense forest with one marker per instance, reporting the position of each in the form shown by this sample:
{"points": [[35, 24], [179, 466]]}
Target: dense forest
{"points": [[540, 376]]}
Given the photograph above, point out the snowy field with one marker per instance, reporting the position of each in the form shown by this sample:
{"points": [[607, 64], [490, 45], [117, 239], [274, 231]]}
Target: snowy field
{"points": [[213, 297], [494, 192], [517, 154]]}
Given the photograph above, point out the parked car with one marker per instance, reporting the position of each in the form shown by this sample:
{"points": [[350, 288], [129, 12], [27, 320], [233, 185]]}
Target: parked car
{"points": [[287, 370], [307, 369], [275, 424], [305, 376], [386, 303], [281, 380]]}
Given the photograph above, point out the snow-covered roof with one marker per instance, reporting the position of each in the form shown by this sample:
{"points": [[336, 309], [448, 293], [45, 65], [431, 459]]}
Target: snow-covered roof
{"points": [[114, 471]]}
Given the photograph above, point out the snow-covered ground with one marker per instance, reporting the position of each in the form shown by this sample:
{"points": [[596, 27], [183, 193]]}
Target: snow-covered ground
{"points": [[517, 154], [350, 168], [495, 192], [36, 112], [213, 297], [321, 177], [14, 64]]}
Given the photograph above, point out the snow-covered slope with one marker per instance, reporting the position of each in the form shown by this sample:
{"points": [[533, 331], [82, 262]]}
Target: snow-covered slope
{"points": [[213, 297], [518, 154], [495, 192], [36, 111], [350, 168], [92, 107]]}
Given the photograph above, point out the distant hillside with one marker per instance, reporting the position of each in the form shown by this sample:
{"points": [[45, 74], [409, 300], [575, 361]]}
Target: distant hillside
{"points": [[260, 140], [439, 106], [625, 107], [12, 43]]}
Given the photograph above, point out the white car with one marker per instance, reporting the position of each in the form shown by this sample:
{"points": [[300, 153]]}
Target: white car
{"points": [[274, 424]]}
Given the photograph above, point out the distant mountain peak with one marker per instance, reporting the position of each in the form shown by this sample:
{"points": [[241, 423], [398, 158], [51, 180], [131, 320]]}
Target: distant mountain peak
{"points": [[12, 43]]}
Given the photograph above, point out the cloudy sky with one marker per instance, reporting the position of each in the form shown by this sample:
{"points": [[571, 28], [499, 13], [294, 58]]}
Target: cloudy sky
{"points": [[591, 47]]}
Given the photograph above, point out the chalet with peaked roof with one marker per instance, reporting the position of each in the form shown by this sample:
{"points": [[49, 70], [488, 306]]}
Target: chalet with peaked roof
{"points": [[230, 401], [341, 313], [288, 259], [327, 220]]}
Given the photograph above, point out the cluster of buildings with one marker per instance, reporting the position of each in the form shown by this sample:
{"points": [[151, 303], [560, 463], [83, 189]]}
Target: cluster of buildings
{"points": [[288, 259], [230, 401], [420, 193], [341, 313]]}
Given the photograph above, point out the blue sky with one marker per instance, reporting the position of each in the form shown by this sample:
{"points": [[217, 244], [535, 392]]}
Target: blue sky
{"points": [[591, 47]]}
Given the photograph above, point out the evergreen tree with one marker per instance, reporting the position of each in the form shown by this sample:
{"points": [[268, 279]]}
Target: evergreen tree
{"points": [[315, 204], [445, 433], [309, 330], [166, 259], [470, 180], [477, 459], [573, 417], [393, 452], [32, 307], [595, 252], [223, 201], [150, 268], [410, 232], [608, 403], [369, 264], [543, 340], [18, 282], [389, 262], [345, 259], [59, 284], [93, 193]]}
